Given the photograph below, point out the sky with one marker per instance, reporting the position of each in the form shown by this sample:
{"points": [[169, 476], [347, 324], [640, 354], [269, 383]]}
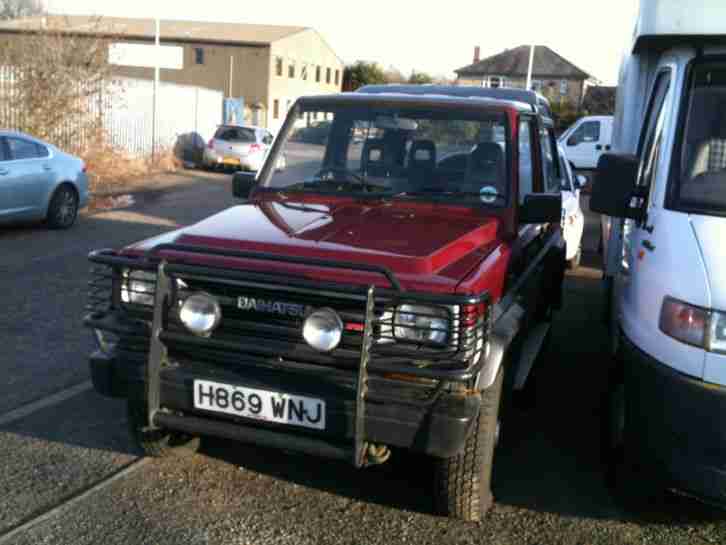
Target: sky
{"points": [[429, 36]]}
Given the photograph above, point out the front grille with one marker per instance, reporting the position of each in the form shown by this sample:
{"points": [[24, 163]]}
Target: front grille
{"points": [[251, 336]]}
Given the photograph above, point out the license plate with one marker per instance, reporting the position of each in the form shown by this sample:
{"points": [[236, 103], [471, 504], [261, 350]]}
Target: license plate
{"points": [[257, 404], [230, 161]]}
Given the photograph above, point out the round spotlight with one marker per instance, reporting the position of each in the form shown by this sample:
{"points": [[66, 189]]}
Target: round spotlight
{"points": [[200, 313], [323, 329]]}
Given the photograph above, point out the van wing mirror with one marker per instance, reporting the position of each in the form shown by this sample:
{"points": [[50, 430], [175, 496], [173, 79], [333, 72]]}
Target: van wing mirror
{"points": [[614, 185], [541, 208], [243, 183]]}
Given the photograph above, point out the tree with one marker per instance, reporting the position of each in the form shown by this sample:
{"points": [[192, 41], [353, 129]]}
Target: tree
{"points": [[362, 73], [13, 9], [420, 77], [55, 83]]}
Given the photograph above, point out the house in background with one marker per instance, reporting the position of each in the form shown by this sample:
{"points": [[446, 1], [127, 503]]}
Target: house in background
{"points": [[265, 67], [552, 75]]}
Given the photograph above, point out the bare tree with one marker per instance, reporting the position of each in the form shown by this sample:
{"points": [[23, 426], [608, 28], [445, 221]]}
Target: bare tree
{"points": [[12, 9], [55, 82]]}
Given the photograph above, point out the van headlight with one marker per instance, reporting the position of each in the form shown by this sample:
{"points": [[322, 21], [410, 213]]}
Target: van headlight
{"points": [[138, 287], [422, 324], [717, 335], [201, 314], [694, 325]]}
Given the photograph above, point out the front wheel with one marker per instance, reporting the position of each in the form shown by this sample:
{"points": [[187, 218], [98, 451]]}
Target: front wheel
{"points": [[463, 482], [63, 208]]}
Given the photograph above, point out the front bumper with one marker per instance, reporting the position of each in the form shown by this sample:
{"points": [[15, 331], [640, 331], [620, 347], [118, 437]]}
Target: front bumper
{"points": [[679, 423], [399, 414]]}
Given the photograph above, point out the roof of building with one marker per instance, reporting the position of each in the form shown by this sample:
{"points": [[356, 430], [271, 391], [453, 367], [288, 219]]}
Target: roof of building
{"points": [[515, 63], [145, 29]]}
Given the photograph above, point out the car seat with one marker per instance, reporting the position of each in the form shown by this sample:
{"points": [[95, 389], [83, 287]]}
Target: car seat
{"points": [[486, 167], [421, 164]]}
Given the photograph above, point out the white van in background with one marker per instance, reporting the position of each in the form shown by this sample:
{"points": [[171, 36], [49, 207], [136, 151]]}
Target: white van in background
{"points": [[665, 270], [586, 140]]}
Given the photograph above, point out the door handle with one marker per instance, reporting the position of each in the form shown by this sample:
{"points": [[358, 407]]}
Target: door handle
{"points": [[4, 171], [47, 167]]}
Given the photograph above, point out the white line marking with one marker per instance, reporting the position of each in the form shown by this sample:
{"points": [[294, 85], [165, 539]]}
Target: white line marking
{"points": [[54, 399], [72, 501]]}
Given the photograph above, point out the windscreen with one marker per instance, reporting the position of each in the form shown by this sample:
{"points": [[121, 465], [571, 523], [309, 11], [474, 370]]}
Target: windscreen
{"points": [[702, 181], [434, 154], [235, 134]]}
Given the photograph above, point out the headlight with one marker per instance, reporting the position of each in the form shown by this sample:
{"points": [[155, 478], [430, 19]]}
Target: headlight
{"points": [[200, 313], [422, 324], [717, 335], [323, 330], [138, 287]]}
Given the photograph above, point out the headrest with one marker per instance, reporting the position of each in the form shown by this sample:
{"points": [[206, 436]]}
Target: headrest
{"points": [[422, 152], [485, 155]]}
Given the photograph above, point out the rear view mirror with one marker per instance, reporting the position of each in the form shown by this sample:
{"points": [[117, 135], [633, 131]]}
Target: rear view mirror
{"points": [[614, 185], [243, 183], [541, 208]]}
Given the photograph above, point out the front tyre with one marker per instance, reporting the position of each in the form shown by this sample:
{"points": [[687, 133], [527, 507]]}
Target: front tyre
{"points": [[63, 208], [157, 443], [463, 482]]}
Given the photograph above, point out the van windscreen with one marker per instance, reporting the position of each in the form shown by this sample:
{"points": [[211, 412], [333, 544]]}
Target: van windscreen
{"points": [[702, 177]]}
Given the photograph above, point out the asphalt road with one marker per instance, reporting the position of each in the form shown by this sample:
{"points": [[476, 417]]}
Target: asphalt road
{"points": [[61, 444]]}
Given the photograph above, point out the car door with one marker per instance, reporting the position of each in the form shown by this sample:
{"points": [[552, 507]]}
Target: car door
{"points": [[581, 145], [31, 175], [6, 202]]}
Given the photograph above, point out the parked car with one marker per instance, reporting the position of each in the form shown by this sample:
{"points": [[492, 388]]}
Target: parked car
{"points": [[362, 300], [39, 182], [316, 133], [240, 147], [665, 266], [586, 140], [573, 219]]}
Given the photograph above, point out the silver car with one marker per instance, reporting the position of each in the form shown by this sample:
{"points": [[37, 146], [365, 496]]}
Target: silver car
{"points": [[39, 182], [237, 146]]}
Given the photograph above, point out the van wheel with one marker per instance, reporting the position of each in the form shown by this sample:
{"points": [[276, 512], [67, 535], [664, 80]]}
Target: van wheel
{"points": [[462, 483], [63, 208], [157, 443]]}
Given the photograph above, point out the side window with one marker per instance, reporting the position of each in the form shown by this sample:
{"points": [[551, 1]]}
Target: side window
{"points": [[22, 149], [587, 132], [42, 150], [550, 167], [4, 156], [652, 136], [526, 162]]}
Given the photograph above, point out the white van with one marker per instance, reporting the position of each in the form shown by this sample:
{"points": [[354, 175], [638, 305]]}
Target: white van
{"points": [[586, 140], [665, 188]]}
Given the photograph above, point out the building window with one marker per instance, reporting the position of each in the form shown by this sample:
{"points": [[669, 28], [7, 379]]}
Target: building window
{"points": [[327, 75], [198, 55], [563, 87], [337, 77], [278, 66], [276, 109], [318, 71], [291, 70], [495, 82], [304, 72]]}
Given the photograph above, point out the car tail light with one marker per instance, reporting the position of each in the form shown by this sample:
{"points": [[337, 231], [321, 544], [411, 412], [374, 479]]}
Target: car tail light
{"points": [[684, 322], [255, 147], [84, 168], [210, 144]]}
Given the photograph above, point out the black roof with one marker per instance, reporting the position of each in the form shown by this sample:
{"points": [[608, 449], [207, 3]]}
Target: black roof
{"points": [[515, 63], [532, 98]]}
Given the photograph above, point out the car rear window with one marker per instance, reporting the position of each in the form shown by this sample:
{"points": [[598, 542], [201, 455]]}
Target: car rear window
{"points": [[235, 134]]}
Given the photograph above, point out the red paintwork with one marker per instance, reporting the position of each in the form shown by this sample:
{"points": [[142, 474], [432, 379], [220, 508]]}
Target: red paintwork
{"points": [[430, 247]]}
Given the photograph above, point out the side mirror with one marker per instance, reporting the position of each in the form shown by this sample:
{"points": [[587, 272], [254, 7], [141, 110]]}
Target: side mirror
{"points": [[541, 208], [243, 183], [572, 141], [614, 185], [580, 181]]}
